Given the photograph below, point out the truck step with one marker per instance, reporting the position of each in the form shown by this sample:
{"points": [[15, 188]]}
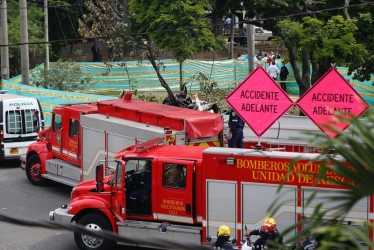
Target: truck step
{"points": [[168, 231], [61, 179]]}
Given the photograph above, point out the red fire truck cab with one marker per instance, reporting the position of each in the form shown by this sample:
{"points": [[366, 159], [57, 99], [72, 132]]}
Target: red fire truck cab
{"points": [[189, 192]]}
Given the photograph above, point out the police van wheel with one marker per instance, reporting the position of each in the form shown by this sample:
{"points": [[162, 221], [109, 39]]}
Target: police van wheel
{"points": [[34, 171], [94, 222]]}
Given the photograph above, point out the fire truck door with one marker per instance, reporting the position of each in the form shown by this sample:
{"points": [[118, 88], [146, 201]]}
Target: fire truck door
{"points": [[118, 194], [175, 190], [56, 135]]}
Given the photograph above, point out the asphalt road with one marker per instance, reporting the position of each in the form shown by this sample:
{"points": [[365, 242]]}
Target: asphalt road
{"points": [[19, 198]]}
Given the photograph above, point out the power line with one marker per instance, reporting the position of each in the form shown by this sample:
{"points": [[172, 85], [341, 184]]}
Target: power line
{"points": [[309, 12], [178, 30]]}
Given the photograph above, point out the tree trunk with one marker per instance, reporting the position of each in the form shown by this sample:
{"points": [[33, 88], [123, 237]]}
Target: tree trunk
{"points": [[323, 68], [303, 80], [315, 70], [217, 25], [160, 78], [181, 76]]}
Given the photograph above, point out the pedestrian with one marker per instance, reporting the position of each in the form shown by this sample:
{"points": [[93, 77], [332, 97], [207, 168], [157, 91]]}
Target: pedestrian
{"points": [[305, 244], [228, 23], [242, 36], [240, 58], [264, 60], [235, 135], [270, 59], [277, 55], [273, 71], [283, 76], [223, 236]]}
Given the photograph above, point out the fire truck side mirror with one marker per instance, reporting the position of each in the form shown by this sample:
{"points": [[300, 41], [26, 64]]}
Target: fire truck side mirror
{"points": [[100, 178]]}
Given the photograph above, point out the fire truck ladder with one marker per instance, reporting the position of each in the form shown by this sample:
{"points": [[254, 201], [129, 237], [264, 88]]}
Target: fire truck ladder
{"points": [[146, 146]]}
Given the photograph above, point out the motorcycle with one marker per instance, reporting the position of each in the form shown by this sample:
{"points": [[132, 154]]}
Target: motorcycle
{"points": [[248, 244], [186, 102]]}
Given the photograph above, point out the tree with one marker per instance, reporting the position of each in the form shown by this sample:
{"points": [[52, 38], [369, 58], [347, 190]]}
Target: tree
{"points": [[315, 38], [64, 76], [63, 23], [335, 42], [176, 26], [36, 34]]}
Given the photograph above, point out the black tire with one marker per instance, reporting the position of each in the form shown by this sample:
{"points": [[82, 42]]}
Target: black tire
{"points": [[95, 222], [33, 171]]}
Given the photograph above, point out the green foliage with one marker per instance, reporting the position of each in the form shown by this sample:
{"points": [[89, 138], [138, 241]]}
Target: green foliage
{"points": [[65, 76], [341, 36], [352, 158], [35, 30], [176, 26], [144, 96], [335, 40], [207, 85], [211, 92]]}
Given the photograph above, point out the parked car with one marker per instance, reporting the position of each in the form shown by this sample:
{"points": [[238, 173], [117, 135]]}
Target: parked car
{"points": [[259, 33], [262, 35]]}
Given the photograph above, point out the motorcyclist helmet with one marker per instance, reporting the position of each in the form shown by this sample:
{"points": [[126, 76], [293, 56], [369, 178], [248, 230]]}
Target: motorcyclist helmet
{"points": [[267, 230], [270, 220], [223, 231]]}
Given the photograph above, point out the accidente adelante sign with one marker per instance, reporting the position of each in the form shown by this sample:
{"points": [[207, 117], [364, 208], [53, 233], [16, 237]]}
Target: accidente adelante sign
{"points": [[330, 98], [259, 101]]}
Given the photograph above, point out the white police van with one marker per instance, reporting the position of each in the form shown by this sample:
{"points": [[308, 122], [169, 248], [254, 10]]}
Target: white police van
{"points": [[21, 119]]}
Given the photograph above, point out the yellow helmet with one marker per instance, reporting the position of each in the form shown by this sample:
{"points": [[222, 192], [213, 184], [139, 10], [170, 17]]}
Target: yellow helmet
{"points": [[270, 220], [223, 231]]}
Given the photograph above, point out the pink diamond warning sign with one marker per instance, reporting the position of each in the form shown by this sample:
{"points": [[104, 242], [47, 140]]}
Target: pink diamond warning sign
{"points": [[259, 101], [330, 97]]}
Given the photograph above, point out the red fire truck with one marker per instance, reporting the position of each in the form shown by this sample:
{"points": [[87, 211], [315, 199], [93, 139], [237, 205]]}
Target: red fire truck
{"points": [[184, 194], [82, 135]]}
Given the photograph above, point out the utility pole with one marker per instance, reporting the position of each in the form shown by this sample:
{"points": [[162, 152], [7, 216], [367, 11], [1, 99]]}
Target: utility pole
{"points": [[250, 47], [4, 42], [232, 36], [46, 35], [24, 41]]}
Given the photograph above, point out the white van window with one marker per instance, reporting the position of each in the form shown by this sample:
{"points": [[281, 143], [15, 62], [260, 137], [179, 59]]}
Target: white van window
{"points": [[14, 122], [29, 126]]}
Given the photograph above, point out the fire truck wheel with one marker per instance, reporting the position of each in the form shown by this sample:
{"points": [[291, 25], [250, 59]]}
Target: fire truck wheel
{"points": [[34, 171], [95, 222]]}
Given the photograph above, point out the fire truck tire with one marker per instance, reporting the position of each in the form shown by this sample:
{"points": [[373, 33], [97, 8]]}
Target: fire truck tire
{"points": [[34, 171], [95, 222]]}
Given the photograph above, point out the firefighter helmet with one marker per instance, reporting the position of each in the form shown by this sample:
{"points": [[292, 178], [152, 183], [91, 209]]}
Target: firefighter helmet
{"points": [[223, 231], [267, 230], [270, 220]]}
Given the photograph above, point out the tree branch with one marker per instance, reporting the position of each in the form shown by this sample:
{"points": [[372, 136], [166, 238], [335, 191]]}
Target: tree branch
{"points": [[161, 79], [345, 10]]}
